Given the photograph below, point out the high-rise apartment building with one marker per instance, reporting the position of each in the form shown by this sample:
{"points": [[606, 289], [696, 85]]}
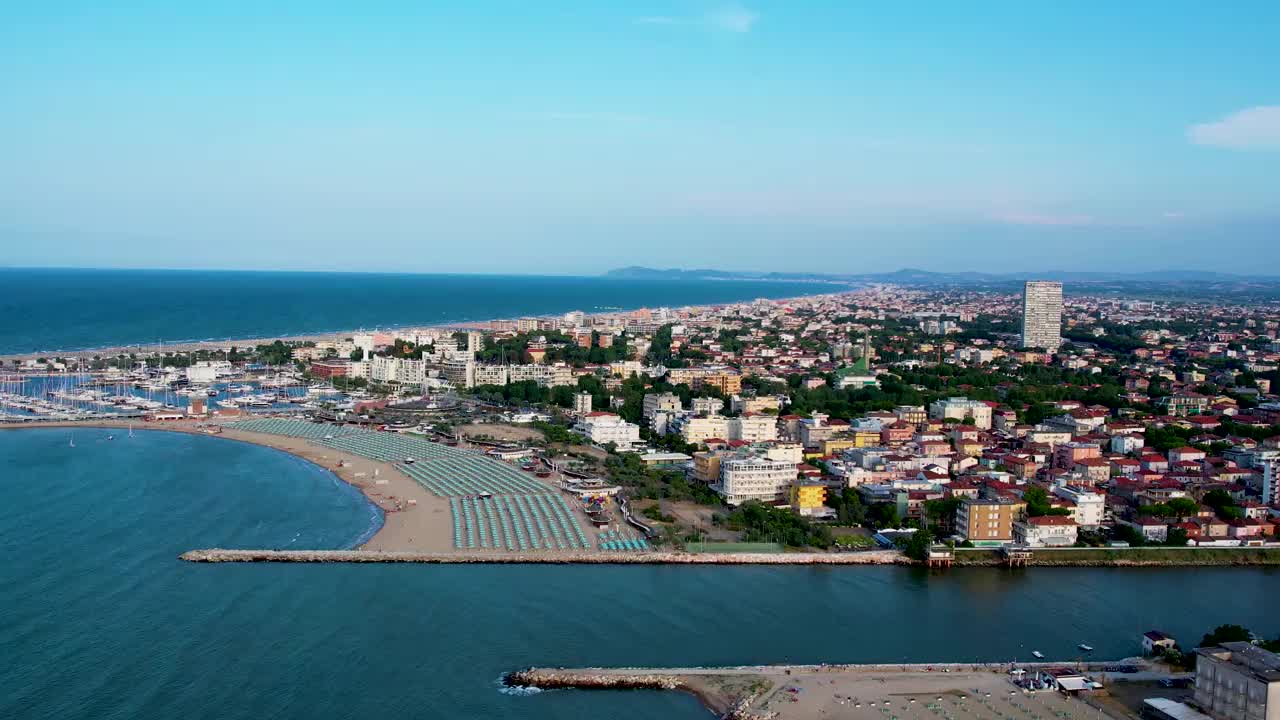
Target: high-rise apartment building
{"points": [[1042, 315]]}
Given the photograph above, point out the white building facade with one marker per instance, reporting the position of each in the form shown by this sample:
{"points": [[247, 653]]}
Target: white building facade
{"points": [[1042, 315], [754, 478]]}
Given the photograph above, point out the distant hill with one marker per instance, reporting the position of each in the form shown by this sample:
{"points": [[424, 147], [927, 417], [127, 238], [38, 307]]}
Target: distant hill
{"points": [[914, 276], [636, 271]]}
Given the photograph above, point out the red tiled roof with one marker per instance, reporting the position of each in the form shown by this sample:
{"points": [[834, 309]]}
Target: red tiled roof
{"points": [[1051, 520]]}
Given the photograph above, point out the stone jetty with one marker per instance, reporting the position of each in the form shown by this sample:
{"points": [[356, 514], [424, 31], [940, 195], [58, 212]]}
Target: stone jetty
{"points": [[217, 555], [728, 695]]}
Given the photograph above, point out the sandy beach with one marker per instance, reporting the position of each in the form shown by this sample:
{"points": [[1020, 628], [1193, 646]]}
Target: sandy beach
{"points": [[249, 342], [862, 692], [416, 520]]}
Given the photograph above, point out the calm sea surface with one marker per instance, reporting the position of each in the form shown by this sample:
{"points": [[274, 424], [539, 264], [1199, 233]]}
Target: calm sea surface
{"points": [[98, 619], [61, 309]]}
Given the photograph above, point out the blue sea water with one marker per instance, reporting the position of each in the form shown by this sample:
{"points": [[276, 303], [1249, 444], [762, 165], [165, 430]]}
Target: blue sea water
{"points": [[70, 309], [99, 620]]}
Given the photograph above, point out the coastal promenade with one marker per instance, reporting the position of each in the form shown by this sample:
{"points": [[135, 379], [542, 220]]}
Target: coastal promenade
{"points": [[980, 691], [218, 555]]}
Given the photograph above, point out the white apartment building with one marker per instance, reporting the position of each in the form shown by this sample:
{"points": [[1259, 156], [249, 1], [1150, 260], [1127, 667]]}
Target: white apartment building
{"points": [[785, 452], [544, 375], [706, 405], [974, 356], [756, 404], [753, 428], [397, 370], [1269, 462], [748, 428], [959, 408], [754, 478], [468, 373], [364, 341], [626, 368], [1047, 531], [700, 429], [582, 403], [460, 373], [489, 375], [1090, 507], [656, 402], [1125, 444], [603, 428], [1042, 315]]}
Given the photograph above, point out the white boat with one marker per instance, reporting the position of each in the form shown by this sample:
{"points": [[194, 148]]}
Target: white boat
{"points": [[1038, 654], [229, 404], [1086, 648]]}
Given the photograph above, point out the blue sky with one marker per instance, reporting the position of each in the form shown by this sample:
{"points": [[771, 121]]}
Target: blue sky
{"points": [[573, 137]]}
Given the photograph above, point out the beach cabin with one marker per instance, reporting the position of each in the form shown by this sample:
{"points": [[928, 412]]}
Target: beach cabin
{"points": [[1065, 681], [1154, 642]]}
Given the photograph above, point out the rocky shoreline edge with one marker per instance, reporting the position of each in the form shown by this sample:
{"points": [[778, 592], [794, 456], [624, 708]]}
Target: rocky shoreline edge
{"points": [[724, 707]]}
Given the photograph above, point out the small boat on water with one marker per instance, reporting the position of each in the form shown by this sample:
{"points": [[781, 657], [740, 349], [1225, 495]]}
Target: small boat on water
{"points": [[1038, 654], [1086, 648]]}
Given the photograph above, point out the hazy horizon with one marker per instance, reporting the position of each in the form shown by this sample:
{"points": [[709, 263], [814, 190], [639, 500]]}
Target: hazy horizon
{"points": [[572, 137], [746, 274]]}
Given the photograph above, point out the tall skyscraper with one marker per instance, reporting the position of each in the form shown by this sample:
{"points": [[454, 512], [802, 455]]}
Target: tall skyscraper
{"points": [[1042, 315]]}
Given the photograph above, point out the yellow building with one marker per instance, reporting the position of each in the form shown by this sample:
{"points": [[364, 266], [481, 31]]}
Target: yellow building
{"points": [[866, 438], [706, 467], [833, 446], [855, 439], [728, 382], [808, 496], [989, 522]]}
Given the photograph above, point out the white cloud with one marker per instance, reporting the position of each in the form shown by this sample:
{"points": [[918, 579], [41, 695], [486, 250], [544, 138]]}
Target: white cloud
{"points": [[1256, 128], [734, 18]]}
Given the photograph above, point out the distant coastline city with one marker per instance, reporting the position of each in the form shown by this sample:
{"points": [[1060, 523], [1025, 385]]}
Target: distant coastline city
{"points": [[936, 427], [884, 424]]}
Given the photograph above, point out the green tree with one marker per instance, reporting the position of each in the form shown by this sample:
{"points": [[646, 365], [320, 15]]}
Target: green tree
{"points": [[761, 523], [1128, 534], [1226, 633], [916, 546], [1037, 500], [848, 506], [883, 515], [1183, 507]]}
